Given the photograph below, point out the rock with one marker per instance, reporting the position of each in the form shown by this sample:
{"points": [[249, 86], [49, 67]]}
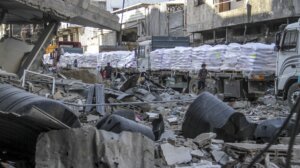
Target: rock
{"points": [[168, 135], [89, 147], [58, 95], [220, 157], [217, 141], [240, 104], [92, 118], [152, 116], [189, 143], [175, 155], [173, 120], [202, 164], [197, 153], [204, 139]]}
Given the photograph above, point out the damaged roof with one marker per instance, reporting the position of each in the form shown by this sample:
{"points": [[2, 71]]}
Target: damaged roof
{"points": [[80, 12]]}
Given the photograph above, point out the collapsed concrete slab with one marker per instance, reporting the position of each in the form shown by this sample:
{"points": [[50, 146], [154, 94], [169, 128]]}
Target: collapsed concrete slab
{"points": [[81, 12], [175, 155], [88, 147]]}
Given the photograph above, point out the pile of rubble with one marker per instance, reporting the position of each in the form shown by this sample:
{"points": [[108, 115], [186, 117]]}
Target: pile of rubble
{"points": [[136, 124]]}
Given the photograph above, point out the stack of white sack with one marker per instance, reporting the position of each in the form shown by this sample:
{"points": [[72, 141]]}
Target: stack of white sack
{"points": [[181, 58], [199, 56], [257, 57], [215, 57], [157, 58], [118, 59], [232, 57], [82, 60]]}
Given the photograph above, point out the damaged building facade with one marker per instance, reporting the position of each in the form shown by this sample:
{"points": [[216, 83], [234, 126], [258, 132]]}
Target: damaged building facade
{"points": [[84, 113], [145, 19], [225, 21]]}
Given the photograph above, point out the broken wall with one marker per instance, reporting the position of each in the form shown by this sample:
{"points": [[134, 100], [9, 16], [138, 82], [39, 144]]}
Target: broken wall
{"points": [[89, 147], [12, 52]]}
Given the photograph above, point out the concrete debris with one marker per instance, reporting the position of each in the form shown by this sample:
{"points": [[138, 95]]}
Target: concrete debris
{"points": [[187, 135], [204, 139], [276, 151], [152, 116], [202, 164], [220, 157], [169, 134], [239, 104], [97, 149], [197, 153], [175, 155], [172, 120], [91, 118]]}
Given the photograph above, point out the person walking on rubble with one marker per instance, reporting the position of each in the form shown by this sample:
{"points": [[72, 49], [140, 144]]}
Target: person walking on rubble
{"points": [[202, 77]]}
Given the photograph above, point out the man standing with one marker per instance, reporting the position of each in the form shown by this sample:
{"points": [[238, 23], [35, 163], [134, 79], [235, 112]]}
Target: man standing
{"points": [[202, 77], [108, 71]]}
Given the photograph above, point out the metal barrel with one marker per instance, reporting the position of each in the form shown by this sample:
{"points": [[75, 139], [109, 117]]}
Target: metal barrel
{"points": [[204, 113], [20, 126], [19, 101], [209, 114], [117, 124]]}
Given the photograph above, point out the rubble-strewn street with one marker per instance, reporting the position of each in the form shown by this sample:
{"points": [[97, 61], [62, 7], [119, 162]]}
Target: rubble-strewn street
{"points": [[149, 84], [153, 128]]}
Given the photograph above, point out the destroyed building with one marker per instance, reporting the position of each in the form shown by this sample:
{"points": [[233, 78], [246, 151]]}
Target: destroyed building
{"points": [[85, 113], [226, 21]]}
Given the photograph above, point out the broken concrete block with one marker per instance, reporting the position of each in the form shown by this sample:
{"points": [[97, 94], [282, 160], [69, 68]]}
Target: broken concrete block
{"points": [[92, 118], [239, 104], [168, 135], [152, 116], [88, 147], [217, 141], [204, 139], [58, 95], [201, 164], [175, 155], [190, 144], [197, 153], [173, 120], [220, 157]]}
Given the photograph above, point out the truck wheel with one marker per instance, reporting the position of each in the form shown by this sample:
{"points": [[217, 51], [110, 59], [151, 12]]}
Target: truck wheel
{"points": [[293, 94], [193, 87]]}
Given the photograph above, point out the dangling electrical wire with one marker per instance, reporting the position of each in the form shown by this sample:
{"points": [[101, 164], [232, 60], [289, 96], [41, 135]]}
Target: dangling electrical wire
{"points": [[293, 110]]}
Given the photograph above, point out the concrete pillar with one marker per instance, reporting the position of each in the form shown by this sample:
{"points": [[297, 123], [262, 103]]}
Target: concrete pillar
{"points": [[229, 35]]}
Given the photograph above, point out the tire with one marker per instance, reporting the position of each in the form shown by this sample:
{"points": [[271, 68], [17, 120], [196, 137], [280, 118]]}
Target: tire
{"points": [[293, 94], [193, 86]]}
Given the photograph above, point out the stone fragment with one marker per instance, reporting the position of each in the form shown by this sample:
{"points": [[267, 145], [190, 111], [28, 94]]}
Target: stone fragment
{"points": [[220, 157], [175, 155], [197, 153], [204, 139]]}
